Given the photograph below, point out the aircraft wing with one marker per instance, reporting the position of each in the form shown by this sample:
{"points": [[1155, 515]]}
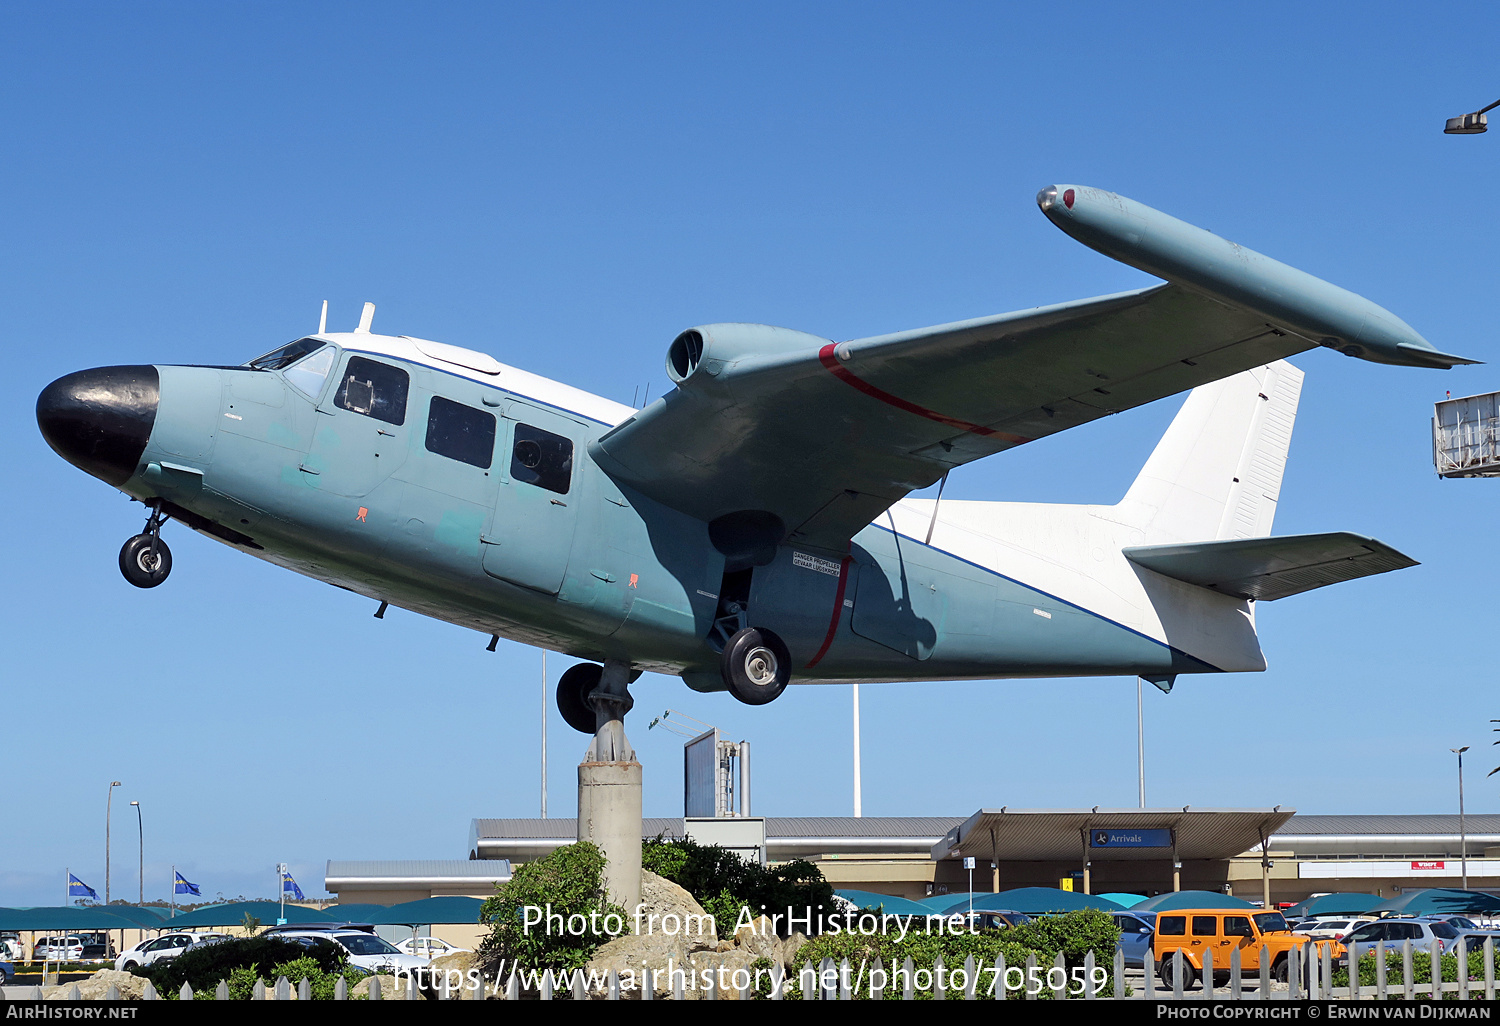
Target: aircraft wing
{"points": [[775, 432]]}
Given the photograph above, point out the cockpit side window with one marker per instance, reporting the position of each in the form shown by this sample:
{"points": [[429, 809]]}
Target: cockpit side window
{"points": [[287, 355], [309, 374], [374, 389], [541, 458]]}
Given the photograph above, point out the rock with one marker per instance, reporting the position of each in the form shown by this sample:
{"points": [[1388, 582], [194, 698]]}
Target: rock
{"points": [[631, 955], [759, 939], [787, 948], [674, 909], [93, 989], [389, 991]]}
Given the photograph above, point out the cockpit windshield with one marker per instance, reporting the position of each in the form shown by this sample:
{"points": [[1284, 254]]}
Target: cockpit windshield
{"points": [[287, 355], [306, 363]]}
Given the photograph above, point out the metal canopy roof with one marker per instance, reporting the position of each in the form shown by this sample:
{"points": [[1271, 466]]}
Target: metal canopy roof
{"points": [[402, 874], [1059, 835]]}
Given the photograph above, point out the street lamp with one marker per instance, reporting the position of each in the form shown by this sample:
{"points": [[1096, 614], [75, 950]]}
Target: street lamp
{"points": [[141, 862], [1463, 836], [107, 805], [1470, 124]]}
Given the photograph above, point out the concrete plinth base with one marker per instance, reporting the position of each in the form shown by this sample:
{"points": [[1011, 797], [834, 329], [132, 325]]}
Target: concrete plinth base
{"points": [[609, 814]]}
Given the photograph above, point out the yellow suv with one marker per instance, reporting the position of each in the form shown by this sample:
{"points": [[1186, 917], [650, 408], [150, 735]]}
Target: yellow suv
{"points": [[1194, 931]]}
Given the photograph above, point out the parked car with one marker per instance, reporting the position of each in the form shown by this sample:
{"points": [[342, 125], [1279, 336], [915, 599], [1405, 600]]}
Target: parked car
{"points": [[1222, 931], [1424, 934], [57, 949], [11, 947], [7, 973], [164, 948], [1135, 938], [1330, 928], [360, 943], [427, 947]]}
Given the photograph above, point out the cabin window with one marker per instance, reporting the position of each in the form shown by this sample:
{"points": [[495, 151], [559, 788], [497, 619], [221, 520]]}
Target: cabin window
{"points": [[1205, 926], [541, 458], [374, 389], [461, 432], [1172, 926]]}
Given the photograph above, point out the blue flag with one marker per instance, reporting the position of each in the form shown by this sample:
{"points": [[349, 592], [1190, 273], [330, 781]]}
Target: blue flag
{"points": [[183, 887], [78, 889], [290, 889]]}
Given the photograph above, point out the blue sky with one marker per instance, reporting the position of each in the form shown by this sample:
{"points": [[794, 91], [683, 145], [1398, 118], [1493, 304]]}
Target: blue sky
{"points": [[567, 186]]}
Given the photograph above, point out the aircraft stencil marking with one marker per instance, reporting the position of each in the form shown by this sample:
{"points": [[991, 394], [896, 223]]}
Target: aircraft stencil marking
{"points": [[676, 538]]}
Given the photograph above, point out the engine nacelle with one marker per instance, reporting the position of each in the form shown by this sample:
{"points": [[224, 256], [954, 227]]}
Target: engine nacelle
{"points": [[714, 350]]}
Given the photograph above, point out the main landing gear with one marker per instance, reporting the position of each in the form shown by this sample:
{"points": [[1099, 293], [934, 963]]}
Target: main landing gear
{"points": [[755, 665], [145, 559]]}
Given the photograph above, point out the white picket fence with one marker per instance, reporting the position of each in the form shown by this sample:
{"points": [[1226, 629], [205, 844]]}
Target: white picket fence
{"points": [[1309, 977]]}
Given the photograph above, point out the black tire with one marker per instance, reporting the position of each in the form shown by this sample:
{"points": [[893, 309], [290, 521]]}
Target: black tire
{"points": [[756, 666], [131, 967], [1280, 973], [1189, 974], [138, 566], [573, 691]]}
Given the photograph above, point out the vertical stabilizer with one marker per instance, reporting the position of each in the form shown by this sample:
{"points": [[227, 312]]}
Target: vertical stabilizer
{"points": [[1217, 471]]}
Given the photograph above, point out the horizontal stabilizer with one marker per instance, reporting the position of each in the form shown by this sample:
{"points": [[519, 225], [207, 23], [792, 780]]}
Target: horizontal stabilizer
{"points": [[1271, 568]]}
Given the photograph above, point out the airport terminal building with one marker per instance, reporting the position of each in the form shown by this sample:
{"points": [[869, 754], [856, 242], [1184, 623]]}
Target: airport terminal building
{"points": [[1246, 852]]}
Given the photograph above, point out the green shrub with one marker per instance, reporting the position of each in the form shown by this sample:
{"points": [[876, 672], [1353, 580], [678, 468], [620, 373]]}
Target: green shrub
{"points": [[242, 962], [1421, 968], [1074, 934], [570, 881], [725, 884]]}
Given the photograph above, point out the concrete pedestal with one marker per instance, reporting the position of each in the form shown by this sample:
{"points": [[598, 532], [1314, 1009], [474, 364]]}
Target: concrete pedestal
{"points": [[609, 814], [609, 789]]}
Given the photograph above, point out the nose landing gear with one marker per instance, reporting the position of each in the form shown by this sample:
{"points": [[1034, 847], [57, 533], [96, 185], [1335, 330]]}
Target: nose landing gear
{"points": [[145, 559], [573, 690]]}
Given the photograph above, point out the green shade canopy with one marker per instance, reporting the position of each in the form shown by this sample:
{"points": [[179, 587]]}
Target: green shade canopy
{"points": [[1439, 901], [886, 903], [429, 911], [1337, 904], [232, 913], [1034, 901], [74, 918], [1190, 899], [354, 912]]}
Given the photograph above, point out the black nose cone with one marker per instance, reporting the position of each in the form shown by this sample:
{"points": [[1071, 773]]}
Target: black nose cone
{"points": [[100, 420]]}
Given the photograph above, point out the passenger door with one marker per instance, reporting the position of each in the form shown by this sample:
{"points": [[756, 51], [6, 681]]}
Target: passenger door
{"points": [[531, 533]]}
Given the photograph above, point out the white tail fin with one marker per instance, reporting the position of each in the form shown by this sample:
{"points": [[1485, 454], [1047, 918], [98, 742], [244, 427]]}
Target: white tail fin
{"points": [[1217, 471]]}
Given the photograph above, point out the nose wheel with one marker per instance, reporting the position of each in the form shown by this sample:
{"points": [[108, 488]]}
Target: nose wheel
{"points": [[573, 690], [145, 559]]}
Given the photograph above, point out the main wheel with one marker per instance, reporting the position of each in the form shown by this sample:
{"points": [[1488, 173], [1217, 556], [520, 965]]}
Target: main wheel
{"points": [[1189, 974], [573, 690], [140, 567], [1281, 972], [756, 666]]}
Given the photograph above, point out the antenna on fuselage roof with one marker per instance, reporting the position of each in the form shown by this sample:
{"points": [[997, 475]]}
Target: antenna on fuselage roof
{"points": [[366, 318], [323, 318]]}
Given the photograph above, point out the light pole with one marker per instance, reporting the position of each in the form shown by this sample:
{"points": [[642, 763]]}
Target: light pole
{"points": [[107, 806], [141, 861], [1470, 124], [1463, 834]]}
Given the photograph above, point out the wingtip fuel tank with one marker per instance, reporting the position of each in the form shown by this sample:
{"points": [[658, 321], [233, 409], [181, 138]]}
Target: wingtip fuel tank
{"points": [[1160, 244]]}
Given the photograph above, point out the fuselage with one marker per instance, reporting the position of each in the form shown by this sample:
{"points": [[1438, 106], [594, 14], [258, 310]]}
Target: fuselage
{"points": [[441, 481]]}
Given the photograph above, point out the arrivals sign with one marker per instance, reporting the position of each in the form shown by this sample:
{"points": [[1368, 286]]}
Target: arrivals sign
{"points": [[1130, 838]]}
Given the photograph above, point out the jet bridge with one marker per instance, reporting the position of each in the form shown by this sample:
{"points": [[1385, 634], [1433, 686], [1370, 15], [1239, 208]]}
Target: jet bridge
{"points": [[1466, 436]]}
